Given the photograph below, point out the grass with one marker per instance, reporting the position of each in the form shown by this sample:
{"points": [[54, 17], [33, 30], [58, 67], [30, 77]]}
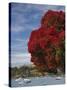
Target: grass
{"points": [[30, 71]]}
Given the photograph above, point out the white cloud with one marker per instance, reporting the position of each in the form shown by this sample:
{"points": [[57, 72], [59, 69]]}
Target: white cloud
{"points": [[22, 55], [19, 59], [17, 28], [49, 7], [21, 22], [20, 45]]}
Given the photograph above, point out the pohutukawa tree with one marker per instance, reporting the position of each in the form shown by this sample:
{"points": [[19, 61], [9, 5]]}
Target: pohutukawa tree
{"points": [[46, 44]]}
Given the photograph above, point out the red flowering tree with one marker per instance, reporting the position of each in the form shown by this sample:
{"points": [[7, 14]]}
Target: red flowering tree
{"points": [[46, 44]]}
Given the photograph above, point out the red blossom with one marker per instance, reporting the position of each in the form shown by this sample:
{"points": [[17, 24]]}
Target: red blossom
{"points": [[43, 42]]}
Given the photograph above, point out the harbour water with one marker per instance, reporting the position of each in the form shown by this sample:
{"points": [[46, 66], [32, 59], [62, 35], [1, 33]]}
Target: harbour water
{"points": [[37, 81]]}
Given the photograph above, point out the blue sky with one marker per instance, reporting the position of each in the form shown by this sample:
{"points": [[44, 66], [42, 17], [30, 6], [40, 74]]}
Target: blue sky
{"points": [[24, 19]]}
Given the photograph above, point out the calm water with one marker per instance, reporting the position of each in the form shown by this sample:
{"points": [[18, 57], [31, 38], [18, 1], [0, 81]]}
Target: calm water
{"points": [[38, 81]]}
